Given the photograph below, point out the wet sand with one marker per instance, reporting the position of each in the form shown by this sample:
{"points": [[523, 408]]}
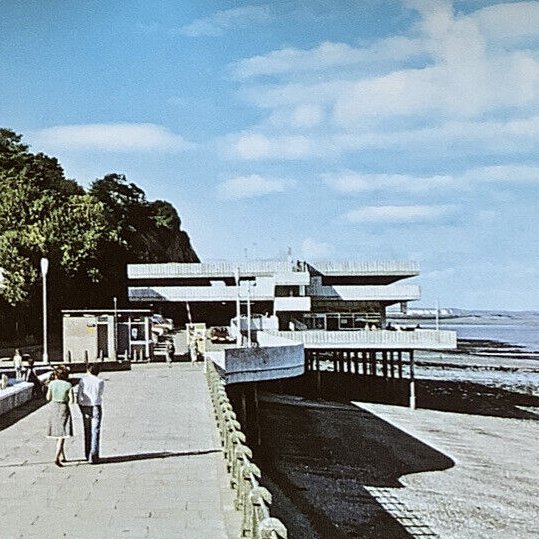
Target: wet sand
{"points": [[356, 462]]}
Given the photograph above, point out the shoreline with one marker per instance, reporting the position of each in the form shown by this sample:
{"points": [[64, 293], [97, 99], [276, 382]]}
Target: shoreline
{"points": [[344, 467]]}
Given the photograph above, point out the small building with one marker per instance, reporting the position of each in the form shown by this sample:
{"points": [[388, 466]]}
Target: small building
{"points": [[107, 334]]}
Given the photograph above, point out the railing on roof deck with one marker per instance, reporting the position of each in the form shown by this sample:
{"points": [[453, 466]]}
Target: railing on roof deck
{"points": [[209, 269], [355, 267], [268, 267], [251, 498]]}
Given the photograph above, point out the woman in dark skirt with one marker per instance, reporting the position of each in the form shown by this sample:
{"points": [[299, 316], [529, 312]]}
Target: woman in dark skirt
{"points": [[60, 395]]}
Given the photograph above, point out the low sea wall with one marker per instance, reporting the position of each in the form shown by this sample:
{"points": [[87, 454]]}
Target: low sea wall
{"points": [[14, 396]]}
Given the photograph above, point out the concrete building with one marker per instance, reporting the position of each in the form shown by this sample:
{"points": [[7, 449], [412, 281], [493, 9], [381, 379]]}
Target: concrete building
{"points": [[106, 334], [329, 296]]}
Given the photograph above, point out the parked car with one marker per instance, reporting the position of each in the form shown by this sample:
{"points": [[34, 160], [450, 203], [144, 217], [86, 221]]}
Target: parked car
{"points": [[220, 334], [161, 325]]}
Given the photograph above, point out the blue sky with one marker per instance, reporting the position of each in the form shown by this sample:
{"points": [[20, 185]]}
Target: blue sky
{"points": [[367, 130]]}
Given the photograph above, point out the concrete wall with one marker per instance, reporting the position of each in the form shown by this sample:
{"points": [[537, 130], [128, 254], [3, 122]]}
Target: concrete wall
{"points": [[80, 335], [275, 358], [15, 396]]}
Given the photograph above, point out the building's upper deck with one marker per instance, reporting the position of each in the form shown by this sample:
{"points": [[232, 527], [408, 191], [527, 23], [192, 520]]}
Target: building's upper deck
{"points": [[225, 270]]}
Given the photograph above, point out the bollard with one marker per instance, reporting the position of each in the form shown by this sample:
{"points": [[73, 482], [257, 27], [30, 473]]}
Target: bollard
{"points": [[86, 357], [69, 358]]}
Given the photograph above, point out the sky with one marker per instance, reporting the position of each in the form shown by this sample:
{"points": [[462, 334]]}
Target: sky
{"points": [[333, 129]]}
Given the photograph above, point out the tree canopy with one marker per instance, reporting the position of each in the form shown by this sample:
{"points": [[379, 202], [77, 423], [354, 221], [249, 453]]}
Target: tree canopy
{"points": [[88, 235]]}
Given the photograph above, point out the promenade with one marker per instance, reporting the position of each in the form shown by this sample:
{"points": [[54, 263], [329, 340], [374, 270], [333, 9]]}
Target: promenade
{"points": [[162, 473]]}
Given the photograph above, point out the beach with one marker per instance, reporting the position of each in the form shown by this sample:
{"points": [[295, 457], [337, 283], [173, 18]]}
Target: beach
{"points": [[353, 463]]}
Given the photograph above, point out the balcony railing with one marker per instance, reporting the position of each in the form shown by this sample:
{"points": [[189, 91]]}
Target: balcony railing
{"points": [[213, 269], [354, 267], [382, 339], [268, 267], [198, 293], [365, 293]]}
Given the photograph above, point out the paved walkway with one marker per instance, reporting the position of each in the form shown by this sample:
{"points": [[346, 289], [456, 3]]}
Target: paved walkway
{"points": [[162, 475]]}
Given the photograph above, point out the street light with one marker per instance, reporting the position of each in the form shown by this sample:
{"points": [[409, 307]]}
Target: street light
{"points": [[44, 270], [238, 306], [115, 335]]}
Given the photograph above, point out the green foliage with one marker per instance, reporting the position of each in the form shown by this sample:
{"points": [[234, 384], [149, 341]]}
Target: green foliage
{"points": [[87, 236]]}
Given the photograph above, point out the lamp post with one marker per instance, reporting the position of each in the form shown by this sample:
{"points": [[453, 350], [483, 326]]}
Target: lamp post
{"points": [[238, 309], [248, 314], [44, 270], [115, 300]]}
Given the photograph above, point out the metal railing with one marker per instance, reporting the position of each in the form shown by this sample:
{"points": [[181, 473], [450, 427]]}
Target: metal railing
{"points": [[209, 269], [252, 499], [365, 293], [419, 338], [374, 267], [198, 293]]}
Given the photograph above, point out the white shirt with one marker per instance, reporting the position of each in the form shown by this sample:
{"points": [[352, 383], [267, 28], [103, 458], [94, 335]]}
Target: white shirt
{"points": [[90, 392]]}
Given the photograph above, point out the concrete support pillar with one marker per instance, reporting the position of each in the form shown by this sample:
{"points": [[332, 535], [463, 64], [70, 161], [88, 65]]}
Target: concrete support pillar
{"points": [[412, 380], [373, 362], [364, 361], [257, 415]]}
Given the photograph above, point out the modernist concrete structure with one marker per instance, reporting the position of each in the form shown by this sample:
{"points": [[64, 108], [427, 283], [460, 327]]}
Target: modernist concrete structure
{"points": [[303, 295], [326, 312]]}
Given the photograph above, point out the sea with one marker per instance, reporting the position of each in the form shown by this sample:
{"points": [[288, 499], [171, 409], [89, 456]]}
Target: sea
{"points": [[520, 331], [515, 330]]}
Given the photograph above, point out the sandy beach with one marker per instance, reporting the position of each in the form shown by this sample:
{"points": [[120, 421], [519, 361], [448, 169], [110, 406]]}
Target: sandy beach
{"points": [[361, 464]]}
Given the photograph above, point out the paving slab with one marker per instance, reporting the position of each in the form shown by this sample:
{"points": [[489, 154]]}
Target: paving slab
{"points": [[162, 472]]}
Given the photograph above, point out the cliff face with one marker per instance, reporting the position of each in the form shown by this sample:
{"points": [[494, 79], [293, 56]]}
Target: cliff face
{"points": [[166, 245]]}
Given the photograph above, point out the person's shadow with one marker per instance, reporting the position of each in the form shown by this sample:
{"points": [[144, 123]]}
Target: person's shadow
{"points": [[158, 455]]}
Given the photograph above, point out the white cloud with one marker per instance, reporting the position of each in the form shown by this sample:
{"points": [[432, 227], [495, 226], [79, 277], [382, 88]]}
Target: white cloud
{"points": [[327, 55], [119, 137], [355, 182], [312, 249], [398, 214], [504, 174], [250, 187], [512, 137], [228, 19], [259, 146], [350, 181], [508, 21], [450, 75]]}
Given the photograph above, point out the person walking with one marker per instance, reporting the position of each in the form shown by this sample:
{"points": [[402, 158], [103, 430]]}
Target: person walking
{"points": [[60, 424], [17, 364], [90, 400], [31, 377], [171, 350]]}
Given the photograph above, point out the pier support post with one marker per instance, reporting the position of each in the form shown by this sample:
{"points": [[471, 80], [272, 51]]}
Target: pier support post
{"points": [[257, 415], [364, 362], [412, 381], [384, 364]]}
